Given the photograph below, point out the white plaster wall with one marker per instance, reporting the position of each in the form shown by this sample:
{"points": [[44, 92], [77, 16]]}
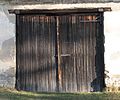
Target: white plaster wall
{"points": [[112, 47], [7, 38], [112, 40], [7, 49]]}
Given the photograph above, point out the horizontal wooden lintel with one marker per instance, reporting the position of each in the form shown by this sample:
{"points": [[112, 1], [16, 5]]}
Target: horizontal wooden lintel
{"points": [[58, 11]]}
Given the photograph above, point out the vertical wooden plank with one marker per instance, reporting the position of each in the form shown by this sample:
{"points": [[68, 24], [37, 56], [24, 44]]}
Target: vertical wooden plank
{"points": [[74, 54], [30, 59], [102, 82], [40, 51], [76, 30], [83, 76], [90, 54], [78, 51], [80, 56], [72, 57], [17, 83], [85, 56], [20, 62], [28, 55], [100, 54], [23, 56], [32, 55], [49, 68], [37, 52], [94, 54], [56, 57], [45, 53], [53, 63], [59, 54], [42, 54], [24, 52], [87, 52], [61, 25]]}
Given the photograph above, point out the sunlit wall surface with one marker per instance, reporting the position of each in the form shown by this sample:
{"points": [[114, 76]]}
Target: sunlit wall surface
{"points": [[112, 40]]}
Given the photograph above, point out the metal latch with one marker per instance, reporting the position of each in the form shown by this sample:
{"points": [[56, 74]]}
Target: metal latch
{"points": [[63, 55]]}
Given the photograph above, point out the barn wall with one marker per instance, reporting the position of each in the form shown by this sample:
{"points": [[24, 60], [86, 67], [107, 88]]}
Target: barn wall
{"points": [[7, 37]]}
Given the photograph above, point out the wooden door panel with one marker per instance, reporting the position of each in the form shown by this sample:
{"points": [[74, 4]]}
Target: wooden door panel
{"points": [[36, 67], [78, 52]]}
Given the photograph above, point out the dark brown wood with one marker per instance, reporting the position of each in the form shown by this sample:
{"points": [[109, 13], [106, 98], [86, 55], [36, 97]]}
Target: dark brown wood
{"points": [[17, 83], [60, 53], [58, 11], [35, 53]]}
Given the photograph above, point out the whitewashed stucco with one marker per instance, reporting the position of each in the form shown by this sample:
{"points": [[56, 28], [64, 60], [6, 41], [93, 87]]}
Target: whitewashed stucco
{"points": [[112, 40], [7, 49], [7, 37]]}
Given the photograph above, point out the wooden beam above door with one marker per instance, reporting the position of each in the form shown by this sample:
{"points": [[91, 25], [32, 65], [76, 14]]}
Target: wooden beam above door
{"points": [[58, 11]]}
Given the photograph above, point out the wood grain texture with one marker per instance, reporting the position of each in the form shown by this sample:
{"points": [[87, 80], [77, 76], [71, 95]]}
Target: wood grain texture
{"points": [[62, 53]]}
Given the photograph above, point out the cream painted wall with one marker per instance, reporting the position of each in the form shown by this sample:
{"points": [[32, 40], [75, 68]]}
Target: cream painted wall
{"points": [[112, 40], [112, 47], [7, 49]]}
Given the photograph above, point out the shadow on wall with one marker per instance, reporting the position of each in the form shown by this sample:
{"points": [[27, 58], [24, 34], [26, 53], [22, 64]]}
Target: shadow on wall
{"points": [[7, 52], [7, 57]]}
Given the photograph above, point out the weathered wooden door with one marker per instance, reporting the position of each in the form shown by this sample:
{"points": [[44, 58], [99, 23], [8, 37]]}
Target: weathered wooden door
{"points": [[36, 67], [78, 58], [60, 53]]}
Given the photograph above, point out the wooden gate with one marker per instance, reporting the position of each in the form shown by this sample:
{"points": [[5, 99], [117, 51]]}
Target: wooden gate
{"points": [[62, 53]]}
